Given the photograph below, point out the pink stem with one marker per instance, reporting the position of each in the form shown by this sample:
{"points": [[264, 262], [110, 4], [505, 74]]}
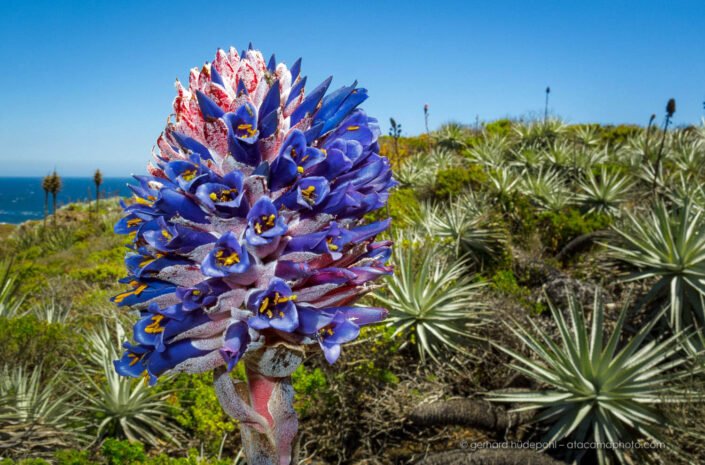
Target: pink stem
{"points": [[265, 407]]}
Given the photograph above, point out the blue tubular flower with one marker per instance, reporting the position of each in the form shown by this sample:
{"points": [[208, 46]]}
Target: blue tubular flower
{"points": [[242, 124], [173, 238], [226, 258], [202, 295], [132, 363], [273, 307], [187, 174], [335, 333], [264, 223], [172, 203], [256, 200], [308, 194], [295, 158], [180, 352], [143, 291], [224, 199], [237, 338], [145, 264]]}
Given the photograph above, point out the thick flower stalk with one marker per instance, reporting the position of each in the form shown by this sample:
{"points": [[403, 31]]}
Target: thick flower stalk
{"points": [[248, 240]]}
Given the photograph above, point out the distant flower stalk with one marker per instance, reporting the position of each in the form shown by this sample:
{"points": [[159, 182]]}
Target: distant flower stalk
{"points": [[248, 239]]}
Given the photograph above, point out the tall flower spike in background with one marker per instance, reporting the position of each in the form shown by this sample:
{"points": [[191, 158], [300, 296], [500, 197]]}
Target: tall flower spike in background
{"points": [[248, 240]]}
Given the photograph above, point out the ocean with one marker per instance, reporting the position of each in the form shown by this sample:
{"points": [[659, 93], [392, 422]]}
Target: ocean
{"points": [[22, 199]]}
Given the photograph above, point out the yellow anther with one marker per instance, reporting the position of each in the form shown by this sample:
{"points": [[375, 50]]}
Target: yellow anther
{"points": [[134, 222], [188, 175], [248, 128], [258, 227], [137, 291], [153, 327], [134, 359], [300, 169], [353, 128], [331, 246], [264, 305], [308, 194], [196, 292], [142, 201], [166, 235], [213, 196], [233, 258]]}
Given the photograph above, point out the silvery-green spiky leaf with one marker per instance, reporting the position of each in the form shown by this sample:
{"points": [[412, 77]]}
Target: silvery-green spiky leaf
{"points": [[606, 192], [10, 301], [463, 224], [490, 151], [668, 245], [430, 299], [547, 188], [596, 389], [123, 406]]}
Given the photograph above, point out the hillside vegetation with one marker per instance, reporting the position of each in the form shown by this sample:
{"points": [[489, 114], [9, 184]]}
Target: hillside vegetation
{"points": [[549, 286]]}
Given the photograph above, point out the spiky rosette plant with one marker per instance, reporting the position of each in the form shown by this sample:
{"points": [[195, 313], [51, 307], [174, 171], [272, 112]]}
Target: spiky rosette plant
{"points": [[247, 237]]}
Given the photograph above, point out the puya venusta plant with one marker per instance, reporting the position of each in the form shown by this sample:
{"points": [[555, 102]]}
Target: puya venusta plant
{"points": [[248, 239]]}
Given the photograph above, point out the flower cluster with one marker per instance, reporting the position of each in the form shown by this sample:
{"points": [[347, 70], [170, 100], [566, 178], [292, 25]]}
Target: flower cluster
{"points": [[248, 229]]}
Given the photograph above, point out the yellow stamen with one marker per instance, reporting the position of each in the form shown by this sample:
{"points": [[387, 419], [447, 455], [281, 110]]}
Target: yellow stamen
{"points": [[134, 359], [196, 292], [308, 194], [134, 222], [331, 246], [142, 201], [248, 128], [139, 288], [166, 234], [263, 306], [353, 128], [300, 169], [230, 259], [188, 175], [154, 328]]}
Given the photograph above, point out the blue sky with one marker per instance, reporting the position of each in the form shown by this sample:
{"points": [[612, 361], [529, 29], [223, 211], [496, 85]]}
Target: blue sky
{"points": [[88, 85]]}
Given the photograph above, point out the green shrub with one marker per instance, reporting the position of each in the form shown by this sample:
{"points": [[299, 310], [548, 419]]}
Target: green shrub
{"points": [[118, 452], [197, 410], [559, 228], [73, 457], [403, 204], [193, 458], [99, 274], [309, 386], [501, 127], [618, 135], [30, 341], [450, 182]]}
